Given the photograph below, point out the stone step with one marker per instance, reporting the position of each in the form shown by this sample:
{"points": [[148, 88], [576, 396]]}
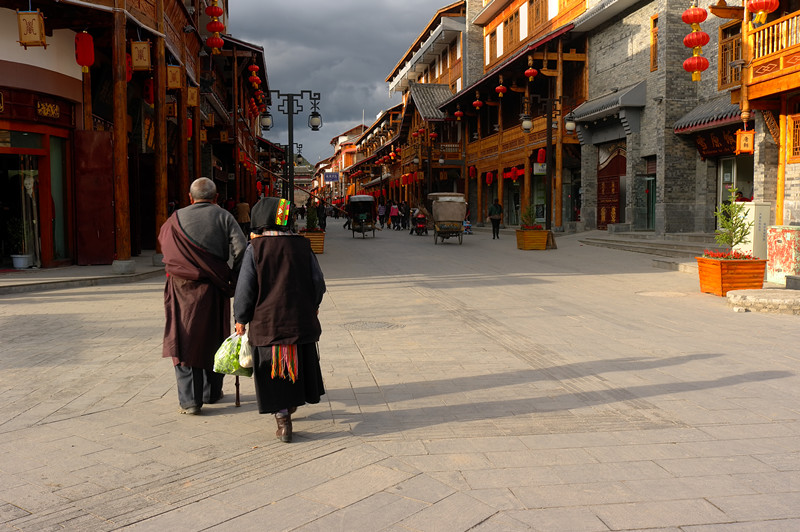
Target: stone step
{"points": [[663, 247]]}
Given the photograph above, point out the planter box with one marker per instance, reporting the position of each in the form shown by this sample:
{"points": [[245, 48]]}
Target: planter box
{"points": [[535, 239], [317, 240], [719, 276]]}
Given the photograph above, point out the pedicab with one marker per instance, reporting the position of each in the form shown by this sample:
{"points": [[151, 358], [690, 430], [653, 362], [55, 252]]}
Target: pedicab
{"points": [[362, 214], [449, 211]]}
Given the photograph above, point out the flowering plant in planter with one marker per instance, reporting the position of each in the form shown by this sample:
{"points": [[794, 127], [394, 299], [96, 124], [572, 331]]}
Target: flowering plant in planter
{"points": [[528, 220], [312, 222], [729, 269]]}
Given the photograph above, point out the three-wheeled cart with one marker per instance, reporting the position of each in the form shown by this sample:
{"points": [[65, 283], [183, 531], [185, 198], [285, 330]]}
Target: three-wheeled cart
{"points": [[449, 211], [362, 214]]}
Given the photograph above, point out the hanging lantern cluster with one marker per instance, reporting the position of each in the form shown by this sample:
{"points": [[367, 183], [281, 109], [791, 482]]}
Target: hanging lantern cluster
{"points": [[501, 89], [695, 40], [762, 8], [254, 79], [531, 72], [84, 51], [215, 27], [253, 108]]}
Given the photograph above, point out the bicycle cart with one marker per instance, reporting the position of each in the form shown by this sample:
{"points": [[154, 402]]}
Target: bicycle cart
{"points": [[362, 215], [449, 211]]}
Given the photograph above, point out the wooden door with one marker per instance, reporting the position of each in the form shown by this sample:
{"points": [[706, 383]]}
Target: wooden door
{"points": [[94, 197], [608, 207]]}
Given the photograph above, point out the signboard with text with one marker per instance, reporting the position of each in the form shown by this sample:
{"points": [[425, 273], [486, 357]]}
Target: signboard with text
{"points": [[331, 177]]}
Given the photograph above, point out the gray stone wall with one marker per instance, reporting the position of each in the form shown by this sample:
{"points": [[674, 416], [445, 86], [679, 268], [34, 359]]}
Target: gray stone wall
{"points": [[472, 50]]}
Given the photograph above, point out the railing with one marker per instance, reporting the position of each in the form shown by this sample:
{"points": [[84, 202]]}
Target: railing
{"points": [[776, 36]]}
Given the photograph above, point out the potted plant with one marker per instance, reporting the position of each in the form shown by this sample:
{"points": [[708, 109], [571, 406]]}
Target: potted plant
{"points": [[18, 239], [312, 231], [531, 235], [722, 271]]}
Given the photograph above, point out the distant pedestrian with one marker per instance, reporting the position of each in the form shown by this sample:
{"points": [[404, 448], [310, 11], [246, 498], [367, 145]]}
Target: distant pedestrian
{"points": [[322, 216], [394, 214], [196, 242], [278, 297], [495, 215], [382, 213], [243, 216]]}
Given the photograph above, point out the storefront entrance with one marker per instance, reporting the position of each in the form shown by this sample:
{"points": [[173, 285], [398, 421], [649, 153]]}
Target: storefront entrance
{"points": [[19, 211]]}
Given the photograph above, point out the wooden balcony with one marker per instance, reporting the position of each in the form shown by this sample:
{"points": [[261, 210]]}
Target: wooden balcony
{"points": [[776, 57]]}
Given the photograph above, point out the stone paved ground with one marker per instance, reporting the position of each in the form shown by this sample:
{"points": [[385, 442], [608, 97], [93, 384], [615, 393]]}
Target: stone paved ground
{"points": [[472, 387]]}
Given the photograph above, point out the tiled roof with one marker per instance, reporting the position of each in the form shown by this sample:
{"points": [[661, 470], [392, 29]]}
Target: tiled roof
{"points": [[428, 97], [713, 113], [630, 96]]}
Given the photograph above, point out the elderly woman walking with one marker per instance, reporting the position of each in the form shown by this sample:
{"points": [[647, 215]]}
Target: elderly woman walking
{"points": [[278, 294]]}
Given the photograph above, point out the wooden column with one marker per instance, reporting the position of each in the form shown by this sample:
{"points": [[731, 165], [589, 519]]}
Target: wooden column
{"points": [[182, 151], [236, 104], [87, 101], [122, 215], [781, 184], [525, 200], [559, 151], [160, 128], [197, 146], [481, 216]]}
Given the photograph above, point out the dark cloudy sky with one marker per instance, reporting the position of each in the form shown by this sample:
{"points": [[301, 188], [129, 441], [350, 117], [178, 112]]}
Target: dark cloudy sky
{"points": [[344, 50]]}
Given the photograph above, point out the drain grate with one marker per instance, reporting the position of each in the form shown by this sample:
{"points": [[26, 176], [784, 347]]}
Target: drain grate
{"points": [[370, 325]]}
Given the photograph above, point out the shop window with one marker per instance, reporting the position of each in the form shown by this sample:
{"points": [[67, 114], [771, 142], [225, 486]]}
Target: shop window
{"points": [[511, 27], [653, 43]]}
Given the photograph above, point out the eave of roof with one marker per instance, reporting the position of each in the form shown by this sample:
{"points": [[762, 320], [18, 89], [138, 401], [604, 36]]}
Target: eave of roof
{"points": [[708, 115]]}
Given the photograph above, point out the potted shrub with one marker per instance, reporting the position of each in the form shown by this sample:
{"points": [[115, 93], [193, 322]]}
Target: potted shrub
{"points": [[722, 271], [21, 258], [312, 232], [531, 235]]}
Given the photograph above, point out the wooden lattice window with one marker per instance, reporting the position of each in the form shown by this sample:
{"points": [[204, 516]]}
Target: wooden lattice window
{"points": [[511, 30], [493, 46], [793, 155], [730, 55], [537, 15], [653, 43]]}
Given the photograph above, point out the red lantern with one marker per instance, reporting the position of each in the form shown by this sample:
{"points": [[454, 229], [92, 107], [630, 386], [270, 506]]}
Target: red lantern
{"points": [[215, 43], [694, 15], [458, 114], [695, 39], [215, 26], [531, 73], [696, 65], [489, 178], [421, 130], [255, 80], [84, 50], [253, 68], [762, 8], [477, 104], [434, 135], [189, 128], [541, 155], [415, 134], [148, 91], [501, 90], [214, 11]]}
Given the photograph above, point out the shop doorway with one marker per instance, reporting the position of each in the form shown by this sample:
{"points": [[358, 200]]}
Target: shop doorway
{"points": [[609, 175], [735, 172], [19, 207]]}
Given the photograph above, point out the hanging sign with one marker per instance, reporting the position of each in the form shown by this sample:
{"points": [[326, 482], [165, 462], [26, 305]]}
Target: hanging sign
{"points": [[744, 141], [140, 55], [31, 28], [539, 168], [174, 77], [331, 177], [192, 96]]}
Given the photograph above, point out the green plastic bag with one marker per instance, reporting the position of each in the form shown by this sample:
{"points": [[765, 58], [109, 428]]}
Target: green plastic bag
{"points": [[226, 359]]}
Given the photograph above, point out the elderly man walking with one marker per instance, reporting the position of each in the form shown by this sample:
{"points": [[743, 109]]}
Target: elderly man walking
{"points": [[197, 242]]}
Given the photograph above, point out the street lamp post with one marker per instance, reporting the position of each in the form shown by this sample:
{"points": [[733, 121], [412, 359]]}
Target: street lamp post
{"points": [[290, 105]]}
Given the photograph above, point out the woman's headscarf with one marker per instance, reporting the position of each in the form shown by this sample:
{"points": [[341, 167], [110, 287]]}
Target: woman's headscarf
{"points": [[270, 214]]}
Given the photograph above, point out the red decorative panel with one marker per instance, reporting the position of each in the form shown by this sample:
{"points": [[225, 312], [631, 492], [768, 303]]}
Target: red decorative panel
{"points": [[766, 68]]}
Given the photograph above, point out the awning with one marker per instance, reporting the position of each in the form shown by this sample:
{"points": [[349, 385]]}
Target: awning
{"points": [[627, 104], [441, 37], [610, 104], [709, 115]]}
